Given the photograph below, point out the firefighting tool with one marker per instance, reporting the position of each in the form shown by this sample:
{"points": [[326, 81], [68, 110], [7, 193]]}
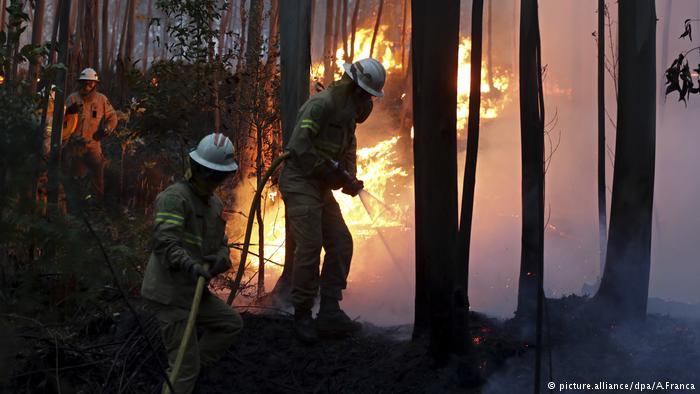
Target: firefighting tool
{"points": [[189, 328]]}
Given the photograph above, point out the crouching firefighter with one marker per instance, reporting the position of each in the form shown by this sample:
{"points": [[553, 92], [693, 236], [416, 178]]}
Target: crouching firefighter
{"points": [[322, 158], [189, 241]]}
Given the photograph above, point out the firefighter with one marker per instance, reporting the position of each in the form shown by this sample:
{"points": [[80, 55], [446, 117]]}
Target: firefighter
{"points": [[188, 236], [96, 118], [322, 152]]}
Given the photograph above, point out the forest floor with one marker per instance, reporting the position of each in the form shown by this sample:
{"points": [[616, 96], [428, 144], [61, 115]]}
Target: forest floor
{"points": [[110, 354], [96, 345]]}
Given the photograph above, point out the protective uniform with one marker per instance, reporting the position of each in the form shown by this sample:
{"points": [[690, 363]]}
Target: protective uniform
{"points": [[188, 226], [325, 130], [88, 151]]}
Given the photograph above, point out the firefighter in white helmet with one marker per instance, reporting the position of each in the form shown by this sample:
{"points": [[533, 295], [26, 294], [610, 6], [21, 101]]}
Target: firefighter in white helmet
{"points": [[96, 118], [188, 236], [322, 158]]}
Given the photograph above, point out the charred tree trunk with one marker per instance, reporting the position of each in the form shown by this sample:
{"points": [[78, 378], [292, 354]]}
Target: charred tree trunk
{"points": [[353, 28], [435, 158], [376, 27], [59, 103], [532, 126], [664, 49], [602, 205], [461, 286], [624, 287], [295, 58], [258, 214], [37, 31], [530, 291], [328, 49]]}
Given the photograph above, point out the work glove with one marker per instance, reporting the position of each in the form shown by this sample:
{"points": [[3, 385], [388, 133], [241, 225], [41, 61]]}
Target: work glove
{"points": [[353, 187], [335, 176], [74, 108], [218, 264], [196, 270]]}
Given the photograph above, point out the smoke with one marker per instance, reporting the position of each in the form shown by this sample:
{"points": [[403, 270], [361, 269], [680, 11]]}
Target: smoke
{"points": [[381, 281]]}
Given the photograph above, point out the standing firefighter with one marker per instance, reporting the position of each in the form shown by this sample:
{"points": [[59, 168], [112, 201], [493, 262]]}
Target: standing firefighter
{"points": [[96, 118], [322, 152], [189, 237]]}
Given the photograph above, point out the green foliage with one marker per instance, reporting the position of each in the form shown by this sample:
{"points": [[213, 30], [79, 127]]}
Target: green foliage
{"points": [[192, 29], [178, 99]]}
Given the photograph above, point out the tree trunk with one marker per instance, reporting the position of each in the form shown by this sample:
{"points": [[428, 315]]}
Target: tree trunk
{"points": [[404, 19], [336, 30], [328, 49], [532, 147], [242, 37], [104, 65], [461, 288], [37, 31], [89, 32], [261, 223], [624, 287], [250, 78], [295, 59], [489, 54], [435, 167], [664, 50], [376, 27], [59, 103], [131, 31], [223, 25], [113, 40], [3, 12], [353, 28], [530, 291], [602, 205], [147, 36], [344, 30]]}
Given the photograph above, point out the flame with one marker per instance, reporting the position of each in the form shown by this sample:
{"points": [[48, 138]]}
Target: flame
{"points": [[383, 51], [493, 97], [493, 88], [378, 166]]}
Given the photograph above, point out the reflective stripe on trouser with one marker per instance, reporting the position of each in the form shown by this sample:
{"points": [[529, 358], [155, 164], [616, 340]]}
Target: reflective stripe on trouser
{"points": [[314, 224], [218, 325]]}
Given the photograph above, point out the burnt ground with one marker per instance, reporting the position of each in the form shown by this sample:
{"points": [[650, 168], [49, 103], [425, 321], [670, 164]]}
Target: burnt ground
{"points": [[109, 354], [268, 359]]}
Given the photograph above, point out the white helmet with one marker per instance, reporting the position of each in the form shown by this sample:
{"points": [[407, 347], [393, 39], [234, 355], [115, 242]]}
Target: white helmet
{"points": [[215, 152], [369, 74], [89, 74]]}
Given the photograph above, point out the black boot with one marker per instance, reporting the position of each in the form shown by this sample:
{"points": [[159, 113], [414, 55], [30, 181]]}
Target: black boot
{"points": [[305, 326], [332, 322]]}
